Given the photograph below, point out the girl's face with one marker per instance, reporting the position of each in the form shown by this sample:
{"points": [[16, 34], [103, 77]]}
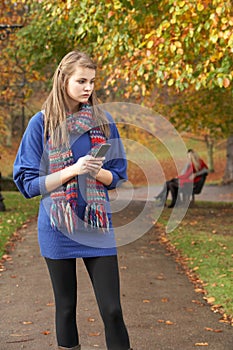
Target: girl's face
{"points": [[80, 87]]}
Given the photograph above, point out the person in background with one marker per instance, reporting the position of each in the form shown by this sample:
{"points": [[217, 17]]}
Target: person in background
{"points": [[192, 172], [55, 160]]}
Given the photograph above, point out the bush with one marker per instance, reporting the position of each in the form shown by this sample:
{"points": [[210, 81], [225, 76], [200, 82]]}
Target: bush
{"points": [[7, 184]]}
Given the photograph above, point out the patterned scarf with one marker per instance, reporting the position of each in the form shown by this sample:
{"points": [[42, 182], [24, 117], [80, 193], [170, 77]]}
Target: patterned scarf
{"points": [[63, 213]]}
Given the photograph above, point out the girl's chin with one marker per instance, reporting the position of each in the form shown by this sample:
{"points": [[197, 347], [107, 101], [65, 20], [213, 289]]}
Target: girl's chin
{"points": [[84, 99]]}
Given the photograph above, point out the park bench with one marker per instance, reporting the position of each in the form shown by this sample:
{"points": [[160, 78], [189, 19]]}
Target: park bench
{"points": [[187, 192]]}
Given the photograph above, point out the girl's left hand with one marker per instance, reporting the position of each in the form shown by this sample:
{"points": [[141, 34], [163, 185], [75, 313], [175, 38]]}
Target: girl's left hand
{"points": [[94, 165]]}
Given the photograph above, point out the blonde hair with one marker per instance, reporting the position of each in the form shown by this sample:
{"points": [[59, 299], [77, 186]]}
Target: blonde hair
{"points": [[195, 159], [55, 106]]}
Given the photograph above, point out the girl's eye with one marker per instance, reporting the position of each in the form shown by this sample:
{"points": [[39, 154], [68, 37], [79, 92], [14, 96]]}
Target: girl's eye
{"points": [[84, 81]]}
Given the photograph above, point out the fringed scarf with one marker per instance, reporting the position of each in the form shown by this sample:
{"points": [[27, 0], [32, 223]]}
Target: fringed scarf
{"points": [[63, 213]]}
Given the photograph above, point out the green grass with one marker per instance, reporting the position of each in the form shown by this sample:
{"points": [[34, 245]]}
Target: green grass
{"points": [[205, 241], [19, 210]]}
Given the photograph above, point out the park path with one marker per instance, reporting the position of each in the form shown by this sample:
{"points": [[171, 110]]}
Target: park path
{"points": [[161, 308], [210, 193]]}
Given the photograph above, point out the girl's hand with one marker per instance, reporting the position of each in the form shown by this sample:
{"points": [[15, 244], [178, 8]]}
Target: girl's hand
{"points": [[94, 165], [88, 164]]}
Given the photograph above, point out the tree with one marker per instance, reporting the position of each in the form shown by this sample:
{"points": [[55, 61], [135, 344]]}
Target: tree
{"points": [[15, 73], [179, 44], [206, 113]]}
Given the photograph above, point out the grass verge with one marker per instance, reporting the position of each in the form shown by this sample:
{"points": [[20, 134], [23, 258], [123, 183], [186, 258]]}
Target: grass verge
{"points": [[18, 211], [203, 245]]}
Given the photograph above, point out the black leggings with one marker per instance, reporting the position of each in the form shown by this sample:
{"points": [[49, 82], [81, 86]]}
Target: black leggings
{"points": [[104, 275]]}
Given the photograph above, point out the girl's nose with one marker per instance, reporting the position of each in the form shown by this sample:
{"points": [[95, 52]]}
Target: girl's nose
{"points": [[88, 87]]}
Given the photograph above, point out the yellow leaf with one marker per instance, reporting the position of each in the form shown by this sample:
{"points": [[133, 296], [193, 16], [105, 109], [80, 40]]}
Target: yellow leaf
{"points": [[200, 7], [219, 10], [196, 268], [150, 44], [201, 344], [173, 48], [170, 82], [181, 3]]}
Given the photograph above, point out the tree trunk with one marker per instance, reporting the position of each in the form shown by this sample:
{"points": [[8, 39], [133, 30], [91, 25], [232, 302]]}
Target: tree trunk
{"points": [[228, 175], [210, 153]]}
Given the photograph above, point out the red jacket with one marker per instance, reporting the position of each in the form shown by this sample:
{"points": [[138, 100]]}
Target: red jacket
{"points": [[185, 178]]}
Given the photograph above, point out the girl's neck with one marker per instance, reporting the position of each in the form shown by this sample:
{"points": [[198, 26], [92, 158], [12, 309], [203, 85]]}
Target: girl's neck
{"points": [[73, 109]]}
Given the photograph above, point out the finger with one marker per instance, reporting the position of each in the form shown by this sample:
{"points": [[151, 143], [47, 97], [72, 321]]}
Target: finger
{"points": [[98, 159], [93, 168], [95, 164]]}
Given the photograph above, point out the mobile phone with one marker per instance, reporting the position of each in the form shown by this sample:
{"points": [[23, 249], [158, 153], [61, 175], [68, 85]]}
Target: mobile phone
{"points": [[102, 150]]}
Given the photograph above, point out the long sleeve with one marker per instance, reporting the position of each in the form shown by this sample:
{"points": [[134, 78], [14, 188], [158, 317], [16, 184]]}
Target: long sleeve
{"points": [[202, 171], [116, 158], [28, 168]]}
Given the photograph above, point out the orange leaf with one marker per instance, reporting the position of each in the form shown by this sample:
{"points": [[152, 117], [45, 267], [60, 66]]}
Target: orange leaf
{"points": [[201, 344], [164, 300], [210, 300], [160, 321], [169, 322], [213, 330], [226, 82]]}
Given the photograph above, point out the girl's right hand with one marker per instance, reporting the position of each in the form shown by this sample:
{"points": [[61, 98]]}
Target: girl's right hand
{"points": [[81, 166]]}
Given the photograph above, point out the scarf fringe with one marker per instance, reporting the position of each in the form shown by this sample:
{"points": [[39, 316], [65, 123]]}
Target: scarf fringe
{"points": [[96, 217], [63, 215]]}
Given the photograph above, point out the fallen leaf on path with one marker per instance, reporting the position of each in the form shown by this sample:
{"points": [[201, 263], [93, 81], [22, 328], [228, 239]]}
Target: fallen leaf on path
{"points": [[188, 309], [46, 332], [91, 319], [197, 302], [7, 257], [94, 334], [50, 304], [169, 323], [27, 322], [164, 300], [201, 344], [160, 277], [146, 301], [213, 330]]}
